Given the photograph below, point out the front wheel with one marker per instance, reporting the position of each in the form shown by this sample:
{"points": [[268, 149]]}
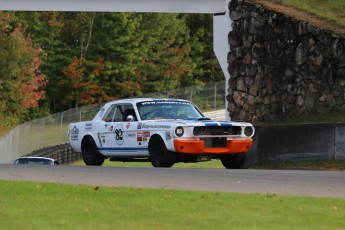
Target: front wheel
{"points": [[235, 161], [160, 156], [90, 153]]}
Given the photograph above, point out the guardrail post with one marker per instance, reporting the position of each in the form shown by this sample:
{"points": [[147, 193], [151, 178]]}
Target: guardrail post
{"points": [[61, 122], [42, 136], [215, 97]]}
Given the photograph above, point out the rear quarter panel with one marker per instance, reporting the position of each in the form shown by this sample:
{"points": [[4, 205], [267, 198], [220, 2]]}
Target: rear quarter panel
{"points": [[76, 132]]}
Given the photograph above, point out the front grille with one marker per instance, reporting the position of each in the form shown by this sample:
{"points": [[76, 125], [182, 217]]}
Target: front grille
{"points": [[216, 130]]}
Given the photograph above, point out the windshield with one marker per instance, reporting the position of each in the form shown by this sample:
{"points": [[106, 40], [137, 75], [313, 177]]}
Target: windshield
{"points": [[34, 161], [154, 110]]}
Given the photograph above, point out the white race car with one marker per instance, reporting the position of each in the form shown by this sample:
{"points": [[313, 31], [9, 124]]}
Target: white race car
{"points": [[32, 160], [163, 131]]}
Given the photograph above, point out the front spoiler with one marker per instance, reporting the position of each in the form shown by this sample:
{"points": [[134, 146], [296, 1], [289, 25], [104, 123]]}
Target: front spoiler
{"points": [[198, 147]]}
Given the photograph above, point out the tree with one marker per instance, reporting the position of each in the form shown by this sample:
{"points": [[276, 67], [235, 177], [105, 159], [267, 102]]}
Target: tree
{"points": [[139, 53], [32, 88], [21, 82], [201, 32], [45, 28], [166, 61], [82, 86], [142, 52]]}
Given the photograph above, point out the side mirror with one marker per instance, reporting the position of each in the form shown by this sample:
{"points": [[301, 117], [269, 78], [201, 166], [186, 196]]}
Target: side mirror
{"points": [[130, 118]]}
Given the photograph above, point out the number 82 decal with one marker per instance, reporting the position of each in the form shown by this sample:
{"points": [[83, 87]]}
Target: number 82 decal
{"points": [[119, 134]]}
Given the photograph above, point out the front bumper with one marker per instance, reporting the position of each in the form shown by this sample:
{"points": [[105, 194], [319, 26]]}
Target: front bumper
{"points": [[198, 147]]}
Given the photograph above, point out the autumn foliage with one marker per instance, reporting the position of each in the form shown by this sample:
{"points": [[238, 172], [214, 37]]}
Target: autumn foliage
{"points": [[21, 81], [32, 89], [83, 84]]}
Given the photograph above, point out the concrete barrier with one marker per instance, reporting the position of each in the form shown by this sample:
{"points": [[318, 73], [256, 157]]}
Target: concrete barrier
{"points": [[297, 142]]}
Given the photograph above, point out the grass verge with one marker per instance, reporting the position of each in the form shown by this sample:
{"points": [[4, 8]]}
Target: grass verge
{"points": [[332, 11], [329, 165], [30, 205]]}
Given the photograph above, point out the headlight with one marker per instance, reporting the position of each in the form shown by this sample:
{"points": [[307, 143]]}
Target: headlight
{"points": [[179, 131], [248, 131]]}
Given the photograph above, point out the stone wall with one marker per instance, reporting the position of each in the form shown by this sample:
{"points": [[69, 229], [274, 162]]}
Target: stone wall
{"points": [[63, 153], [281, 67]]}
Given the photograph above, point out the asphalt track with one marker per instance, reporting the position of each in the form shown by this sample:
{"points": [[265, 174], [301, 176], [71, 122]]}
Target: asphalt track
{"points": [[285, 182]]}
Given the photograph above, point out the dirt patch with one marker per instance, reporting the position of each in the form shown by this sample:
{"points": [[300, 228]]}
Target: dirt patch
{"points": [[324, 165], [302, 16]]}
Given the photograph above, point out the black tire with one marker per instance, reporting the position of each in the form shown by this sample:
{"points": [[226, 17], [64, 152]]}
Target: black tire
{"points": [[90, 153], [160, 156], [235, 161]]}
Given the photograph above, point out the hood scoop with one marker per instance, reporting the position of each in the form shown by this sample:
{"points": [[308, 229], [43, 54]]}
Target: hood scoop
{"points": [[198, 119], [204, 119]]}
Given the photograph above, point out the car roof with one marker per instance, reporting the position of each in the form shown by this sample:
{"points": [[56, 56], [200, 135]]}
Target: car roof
{"points": [[136, 100], [33, 157], [30, 157], [132, 101]]}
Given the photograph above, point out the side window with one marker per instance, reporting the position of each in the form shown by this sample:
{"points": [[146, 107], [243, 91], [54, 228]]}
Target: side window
{"points": [[118, 115], [128, 110], [109, 115]]}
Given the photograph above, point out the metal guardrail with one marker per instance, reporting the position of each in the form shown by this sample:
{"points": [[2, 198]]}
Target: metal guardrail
{"points": [[41, 133]]}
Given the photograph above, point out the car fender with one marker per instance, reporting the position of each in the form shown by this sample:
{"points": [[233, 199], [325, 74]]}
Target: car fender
{"points": [[91, 135], [165, 137], [77, 132]]}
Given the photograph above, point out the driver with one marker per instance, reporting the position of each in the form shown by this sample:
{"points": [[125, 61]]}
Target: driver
{"points": [[166, 113]]}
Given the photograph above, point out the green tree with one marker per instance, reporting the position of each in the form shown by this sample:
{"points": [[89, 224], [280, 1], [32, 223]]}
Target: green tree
{"points": [[120, 50], [201, 32], [142, 52], [166, 61]]}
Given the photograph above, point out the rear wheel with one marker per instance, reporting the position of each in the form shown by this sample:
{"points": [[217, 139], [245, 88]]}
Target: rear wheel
{"points": [[90, 153], [235, 161], [160, 156]]}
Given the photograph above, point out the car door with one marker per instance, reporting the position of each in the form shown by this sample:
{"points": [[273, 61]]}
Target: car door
{"points": [[121, 135]]}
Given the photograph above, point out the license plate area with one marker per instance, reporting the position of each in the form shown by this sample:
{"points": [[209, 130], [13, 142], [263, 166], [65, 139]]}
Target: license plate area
{"points": [[214, 142]]}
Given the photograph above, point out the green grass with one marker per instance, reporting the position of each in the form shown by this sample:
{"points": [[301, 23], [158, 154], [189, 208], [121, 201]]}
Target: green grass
{"points": [[29, 205], [331, 10]]}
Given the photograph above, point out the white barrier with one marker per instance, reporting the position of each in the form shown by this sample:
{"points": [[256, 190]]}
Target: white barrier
{"points": [[218, 115]]}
